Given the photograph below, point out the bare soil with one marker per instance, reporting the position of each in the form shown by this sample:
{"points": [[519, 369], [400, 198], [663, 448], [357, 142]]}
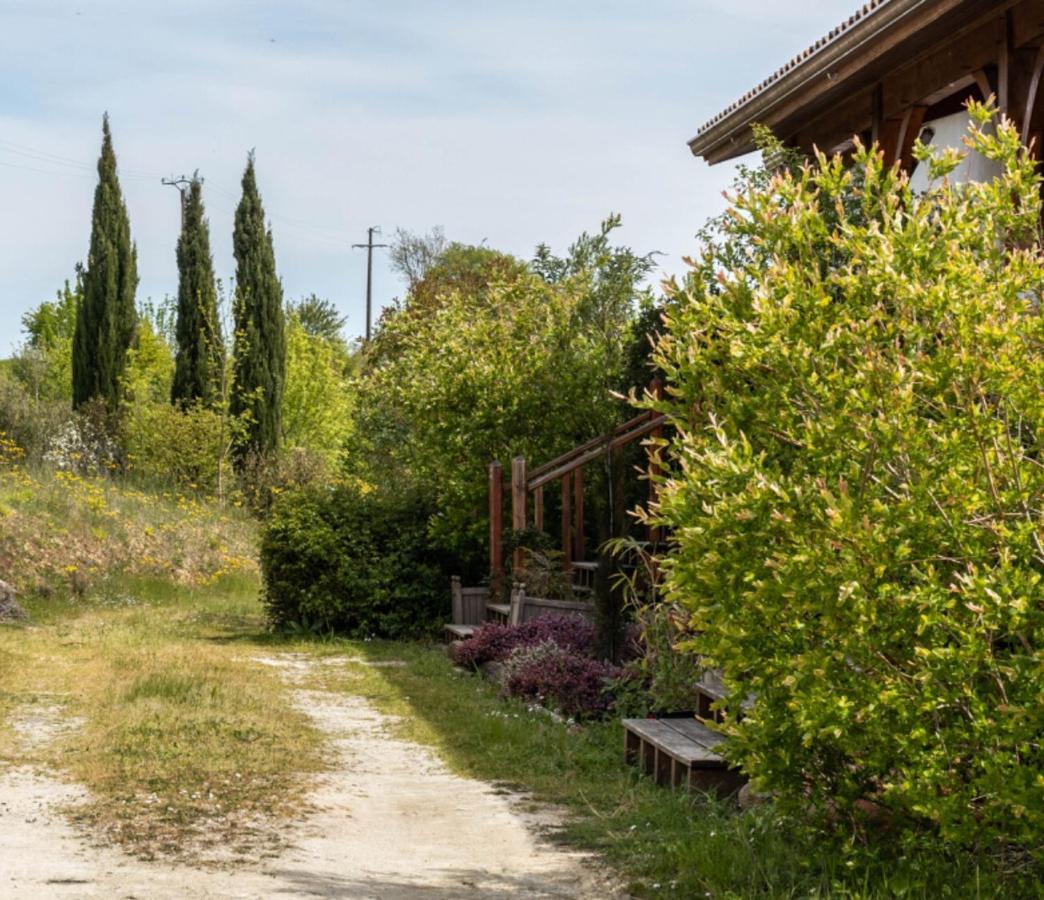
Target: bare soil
{"points": [[388, 821]]}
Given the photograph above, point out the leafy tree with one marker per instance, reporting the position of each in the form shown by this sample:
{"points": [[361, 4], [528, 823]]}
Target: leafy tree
{"points": [[44, 364], [106, 317], [317, 413], [54, 321], [413, 255], [510, 369], [319, 318], [259, 357], [856, 491], [200, 350]]}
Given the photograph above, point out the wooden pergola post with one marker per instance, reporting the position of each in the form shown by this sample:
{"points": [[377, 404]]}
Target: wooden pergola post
{"points": [[578, 513], [538, 508], [567, 521], [496, 522], [519, 491]]}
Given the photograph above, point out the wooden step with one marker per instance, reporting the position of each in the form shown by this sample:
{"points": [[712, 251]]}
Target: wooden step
{"points": [[680, 753]]}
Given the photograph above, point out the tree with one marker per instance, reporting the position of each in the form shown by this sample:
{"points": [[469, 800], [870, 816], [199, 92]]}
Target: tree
{"points": [[319, 318], [200, 351], [106, 317], [412, 255], [259, 358], [316, 403]]}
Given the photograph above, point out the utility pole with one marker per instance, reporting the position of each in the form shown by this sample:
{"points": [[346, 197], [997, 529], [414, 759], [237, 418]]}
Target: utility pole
{"points": [[182, 184], [369, 247]]}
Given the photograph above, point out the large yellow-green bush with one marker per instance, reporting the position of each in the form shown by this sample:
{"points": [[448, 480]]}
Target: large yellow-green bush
{"points": [[856, 491]]}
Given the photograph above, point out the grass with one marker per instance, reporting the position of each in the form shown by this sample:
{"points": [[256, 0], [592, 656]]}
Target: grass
{"points": [[664, 843], [186, 743]]}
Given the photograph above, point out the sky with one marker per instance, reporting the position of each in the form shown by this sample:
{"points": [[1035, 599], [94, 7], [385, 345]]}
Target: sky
{"points": [[505, 122]]}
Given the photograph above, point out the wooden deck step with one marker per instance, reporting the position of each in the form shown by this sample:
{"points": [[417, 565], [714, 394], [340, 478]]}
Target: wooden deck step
{"points": [[680, 753]]}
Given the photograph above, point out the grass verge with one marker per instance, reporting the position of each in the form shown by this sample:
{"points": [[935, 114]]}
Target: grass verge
{"points": [[665, 844], [186, 744]]}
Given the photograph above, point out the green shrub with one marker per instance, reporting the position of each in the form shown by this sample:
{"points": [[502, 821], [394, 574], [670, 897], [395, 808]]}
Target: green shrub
{"points": [[857, 491], [182, 448], [353, 561]]}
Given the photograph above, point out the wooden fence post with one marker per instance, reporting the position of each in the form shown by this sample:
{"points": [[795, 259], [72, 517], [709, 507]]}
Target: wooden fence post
{"points": [[567, 521], [496, 522], [538, 508], [519, 493], [578, 513]]}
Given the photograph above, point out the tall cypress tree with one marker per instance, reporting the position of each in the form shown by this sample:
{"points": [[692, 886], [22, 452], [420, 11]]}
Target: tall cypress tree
{"points": [[106, 319], [197, 367], [259, 364]]}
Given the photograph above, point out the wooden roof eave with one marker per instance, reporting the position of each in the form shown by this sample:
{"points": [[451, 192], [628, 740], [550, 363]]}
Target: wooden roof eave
{"points": [[851, 52]]}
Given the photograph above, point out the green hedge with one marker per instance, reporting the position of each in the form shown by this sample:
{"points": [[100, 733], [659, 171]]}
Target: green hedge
{"points": [[857, 497], [354, 562]]}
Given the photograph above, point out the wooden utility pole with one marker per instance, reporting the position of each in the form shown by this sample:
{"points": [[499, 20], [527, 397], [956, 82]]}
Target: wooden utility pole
{"points": [[369, 247], [182, 184]]}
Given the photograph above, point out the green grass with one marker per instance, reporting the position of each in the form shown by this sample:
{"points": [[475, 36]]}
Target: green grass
{"points": [[186, 743], [663, 843]]}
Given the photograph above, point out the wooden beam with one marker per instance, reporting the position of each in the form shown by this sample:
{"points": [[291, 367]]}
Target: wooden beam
{"points": [[496, 521], [1031, 95], [567, 521], [518, 509], [912, 124], [538, 508], [578, 514]]}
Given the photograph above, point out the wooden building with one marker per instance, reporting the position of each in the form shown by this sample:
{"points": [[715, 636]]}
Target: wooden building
{"points": [[893, 70]]}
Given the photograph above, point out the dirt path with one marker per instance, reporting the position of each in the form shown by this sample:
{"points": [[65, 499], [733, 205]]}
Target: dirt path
{"points": [[391, 821]]}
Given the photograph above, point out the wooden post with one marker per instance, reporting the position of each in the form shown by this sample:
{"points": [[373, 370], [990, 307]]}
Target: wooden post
{"points": [[518, 509], [655, 470], [538, 508], [567, 521], [496, 522], [578, 514]]}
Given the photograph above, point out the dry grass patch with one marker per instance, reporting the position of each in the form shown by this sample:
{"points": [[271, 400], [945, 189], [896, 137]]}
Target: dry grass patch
{"points": [[187, 746]]}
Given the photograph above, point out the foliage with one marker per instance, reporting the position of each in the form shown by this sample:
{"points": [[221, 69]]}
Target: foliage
{"points": [[29, 415], [199, 364], [574, 685], [259, 355], [184, 447], [106, 318], [412, 256], [317, 411], [59, 527], [856, 490], [353, 560], [319, 318], [494, 642], [150, 368], [511, 369]]}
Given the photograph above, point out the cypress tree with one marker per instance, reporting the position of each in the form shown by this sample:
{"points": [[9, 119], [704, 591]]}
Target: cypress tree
{"points": [[259, 363], [197, 367], [106, 319]]}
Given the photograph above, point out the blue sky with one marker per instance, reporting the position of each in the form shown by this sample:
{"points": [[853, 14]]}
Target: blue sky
{"points": [[508, 122]]}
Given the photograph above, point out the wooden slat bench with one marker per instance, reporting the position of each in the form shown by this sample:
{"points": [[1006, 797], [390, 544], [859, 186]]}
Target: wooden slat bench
{"points": [[469, 610], [680, 753]]}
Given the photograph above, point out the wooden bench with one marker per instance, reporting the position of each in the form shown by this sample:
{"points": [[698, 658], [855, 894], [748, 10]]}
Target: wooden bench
{"points": [[469, 610], [524, 608], [680, 752]]}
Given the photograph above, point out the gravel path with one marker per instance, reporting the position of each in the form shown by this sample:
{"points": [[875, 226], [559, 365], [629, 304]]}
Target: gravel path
{"points": [[391, 821]]}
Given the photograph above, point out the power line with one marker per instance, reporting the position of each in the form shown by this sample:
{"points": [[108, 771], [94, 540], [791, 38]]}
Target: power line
{"points": [[369, 247]]}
